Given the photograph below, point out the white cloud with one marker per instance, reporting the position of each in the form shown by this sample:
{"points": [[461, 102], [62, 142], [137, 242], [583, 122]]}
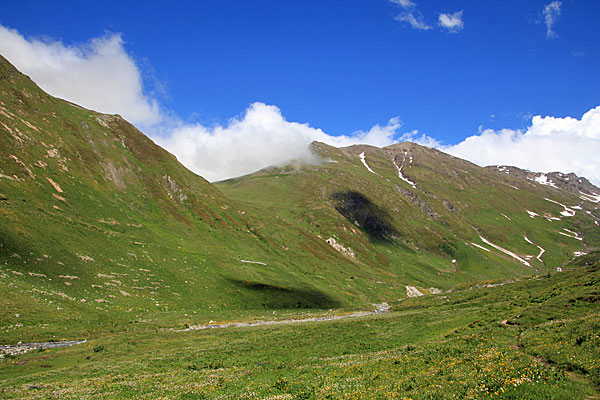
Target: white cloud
{"points": [[551, 13], [262, 137], [99, 74], [259, 138], [414, 19], [549, 144], [102, 76], [452, 22], [404, 3], [410, 14]]}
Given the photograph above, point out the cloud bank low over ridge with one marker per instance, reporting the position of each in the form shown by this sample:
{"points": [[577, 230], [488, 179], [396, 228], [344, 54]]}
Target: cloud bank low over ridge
{"points": [[259, 138], [263, 137], [101, 75]]}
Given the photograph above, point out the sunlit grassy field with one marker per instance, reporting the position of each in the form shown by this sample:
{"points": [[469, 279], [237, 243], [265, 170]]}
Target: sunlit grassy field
{"points": [[537, 338], [106, 237]]}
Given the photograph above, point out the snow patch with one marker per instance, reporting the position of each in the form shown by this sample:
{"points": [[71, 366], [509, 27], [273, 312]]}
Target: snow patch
{"points": [[481, 247], [399, 169], [579, 253], [542, 250], [532, 214], [594, 198], [364, 161], [252, 262], [593, 216], [539, 256], [572, 237], [543, 180], [571, 234], [510, 253], [507, 217], [405, 179], [567, 212]]}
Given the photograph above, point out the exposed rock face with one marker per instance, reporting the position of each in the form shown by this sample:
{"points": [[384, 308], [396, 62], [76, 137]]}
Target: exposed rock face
{"points": [[174, 188], [347, 251], [418, 201], [568, 182], [449, 205], [106, 119], [412, 291]]}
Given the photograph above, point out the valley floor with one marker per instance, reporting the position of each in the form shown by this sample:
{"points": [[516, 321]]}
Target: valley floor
{"points": [[379, 309], [536, 339]]}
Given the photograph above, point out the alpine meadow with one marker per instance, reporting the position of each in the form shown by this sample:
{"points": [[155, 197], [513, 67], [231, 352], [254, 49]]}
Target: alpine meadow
{"points": [[365, 270]]}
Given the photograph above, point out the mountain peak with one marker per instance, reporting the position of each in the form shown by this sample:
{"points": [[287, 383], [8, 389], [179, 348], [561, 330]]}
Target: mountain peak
{"points": [[569, 182]]}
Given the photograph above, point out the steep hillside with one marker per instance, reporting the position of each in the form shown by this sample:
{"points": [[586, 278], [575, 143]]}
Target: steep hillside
{"points": [[96, 218], [102, 230], [425, 218]]}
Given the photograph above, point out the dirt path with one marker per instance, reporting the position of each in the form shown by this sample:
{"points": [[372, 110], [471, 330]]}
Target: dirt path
{"points": [[379, 309]]}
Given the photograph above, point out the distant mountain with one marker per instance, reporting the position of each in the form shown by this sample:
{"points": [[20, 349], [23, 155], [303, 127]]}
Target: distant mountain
{"points": [[568, 182], [425, 216], [102, 229]]}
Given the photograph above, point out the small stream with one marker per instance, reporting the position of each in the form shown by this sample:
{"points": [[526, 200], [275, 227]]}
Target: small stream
{"points": [[379, 309], [22, 348]]}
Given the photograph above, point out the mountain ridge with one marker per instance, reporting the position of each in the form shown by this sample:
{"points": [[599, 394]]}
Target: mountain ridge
{"points": [[103, 229]]}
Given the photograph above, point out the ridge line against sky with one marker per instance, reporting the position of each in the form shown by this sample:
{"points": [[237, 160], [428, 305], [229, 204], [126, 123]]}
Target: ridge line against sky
{"points": [[101, 73]]}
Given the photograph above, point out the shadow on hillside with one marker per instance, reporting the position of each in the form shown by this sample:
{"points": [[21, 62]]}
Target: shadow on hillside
{"points": [[278, 297], [371, 219], [12, 246]]}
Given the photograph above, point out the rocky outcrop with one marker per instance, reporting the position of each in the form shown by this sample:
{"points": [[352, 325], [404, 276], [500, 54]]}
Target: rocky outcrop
{"points": [[347, 251]]}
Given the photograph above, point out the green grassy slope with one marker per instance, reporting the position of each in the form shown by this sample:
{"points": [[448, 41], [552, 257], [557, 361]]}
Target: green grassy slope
{"points": [[103, 231], [414, 233], [105, 236], [535, 339]]}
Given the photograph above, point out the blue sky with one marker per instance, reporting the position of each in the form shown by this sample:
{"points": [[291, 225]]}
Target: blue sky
{"points": [[345, 66]]}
